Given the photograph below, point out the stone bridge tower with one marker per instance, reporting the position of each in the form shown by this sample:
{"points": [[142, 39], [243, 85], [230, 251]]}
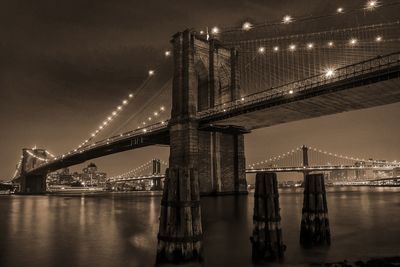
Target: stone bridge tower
{"points": [[205, 76], [208, 161], [32, 183]]}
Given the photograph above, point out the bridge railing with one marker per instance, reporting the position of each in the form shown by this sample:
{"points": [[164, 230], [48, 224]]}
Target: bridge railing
{"points": [[336, 75]]}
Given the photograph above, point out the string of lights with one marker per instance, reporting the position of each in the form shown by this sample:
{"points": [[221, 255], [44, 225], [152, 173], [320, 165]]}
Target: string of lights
{"points": [[333, 155], [107, 121], [275, 158], [369, 6], [349, 157], [17, 170], [50, 154], [351, 43], [134, 171], [36, 157], [110, 118]]}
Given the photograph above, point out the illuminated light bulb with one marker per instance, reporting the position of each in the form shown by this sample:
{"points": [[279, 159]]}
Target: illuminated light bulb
{"points": [[167, 53], [329, 72], [105, 123], [292, 47], [101, 127], [372, 4], [144, 123], [247, 26], [114, 113], [151, 72], [119, 107], [339, 10], [201, 32], [155, 113], [310, 46], [149, 118], [261, 50], [93, 135], [163, 122], [215, 30], [162, 108], [97, 131], [287, 19], [276, 48], [109, 118], [144, 130], [330, 44], [378, 38], [291, 92], [130, 95], [353, 41], [125, 102], [242, 99]]}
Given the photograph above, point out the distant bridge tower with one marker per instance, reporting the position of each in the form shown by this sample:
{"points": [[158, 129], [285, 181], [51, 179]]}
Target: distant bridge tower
{"points": [[34, 182], [304, 149], [305, 155], [156, 163]]}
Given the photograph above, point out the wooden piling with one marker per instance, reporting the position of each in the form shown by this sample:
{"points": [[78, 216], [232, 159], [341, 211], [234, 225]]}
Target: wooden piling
{"points": [[315, 222], [180, 232], [266, 240]]}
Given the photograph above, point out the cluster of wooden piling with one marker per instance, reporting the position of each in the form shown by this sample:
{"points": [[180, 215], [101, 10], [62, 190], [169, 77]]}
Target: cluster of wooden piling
{"points": [[266, 240], [180, 232], [314, 222]]}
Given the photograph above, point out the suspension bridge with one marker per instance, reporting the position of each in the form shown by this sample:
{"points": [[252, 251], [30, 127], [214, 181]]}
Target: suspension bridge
{"points": [[218, 84], [302, 159], [229, 83]]}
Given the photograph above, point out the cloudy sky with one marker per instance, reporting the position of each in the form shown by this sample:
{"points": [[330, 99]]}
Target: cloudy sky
{"points": [[64, 64]]}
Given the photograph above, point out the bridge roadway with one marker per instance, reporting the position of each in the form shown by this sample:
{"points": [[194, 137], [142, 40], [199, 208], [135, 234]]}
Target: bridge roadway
{"points": [[366, 84]]}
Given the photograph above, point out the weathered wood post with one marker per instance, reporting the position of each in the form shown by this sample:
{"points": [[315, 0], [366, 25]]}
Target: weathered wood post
{"points": [[314, 222], [180, 231], [266, 241]]}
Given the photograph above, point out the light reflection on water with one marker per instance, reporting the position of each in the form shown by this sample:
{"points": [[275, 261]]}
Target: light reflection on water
{"points": [[115, 229]]}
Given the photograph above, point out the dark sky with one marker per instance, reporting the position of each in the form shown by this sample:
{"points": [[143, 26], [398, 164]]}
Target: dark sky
{"points": [[64, 64]]}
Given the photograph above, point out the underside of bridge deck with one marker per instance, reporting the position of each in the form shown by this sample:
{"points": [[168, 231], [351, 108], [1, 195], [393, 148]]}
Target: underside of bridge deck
{"points": [[355, 94]]}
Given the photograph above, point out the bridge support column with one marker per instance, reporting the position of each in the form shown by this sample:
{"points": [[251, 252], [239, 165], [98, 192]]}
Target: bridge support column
{"points": [[33, 184], [266, 240], [180, 230], [314, 222], [222, 164]]}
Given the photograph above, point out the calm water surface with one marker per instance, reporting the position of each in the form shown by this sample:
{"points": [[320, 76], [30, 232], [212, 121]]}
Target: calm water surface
{"points": [[120, 229]]}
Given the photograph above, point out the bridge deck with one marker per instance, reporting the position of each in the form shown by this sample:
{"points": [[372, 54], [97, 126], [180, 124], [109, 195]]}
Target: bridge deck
{"points": [[363, 85], [129, 141], [365, 90]]}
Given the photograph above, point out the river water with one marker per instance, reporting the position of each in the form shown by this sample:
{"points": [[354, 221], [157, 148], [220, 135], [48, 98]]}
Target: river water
{"points": [[120, 229]]}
